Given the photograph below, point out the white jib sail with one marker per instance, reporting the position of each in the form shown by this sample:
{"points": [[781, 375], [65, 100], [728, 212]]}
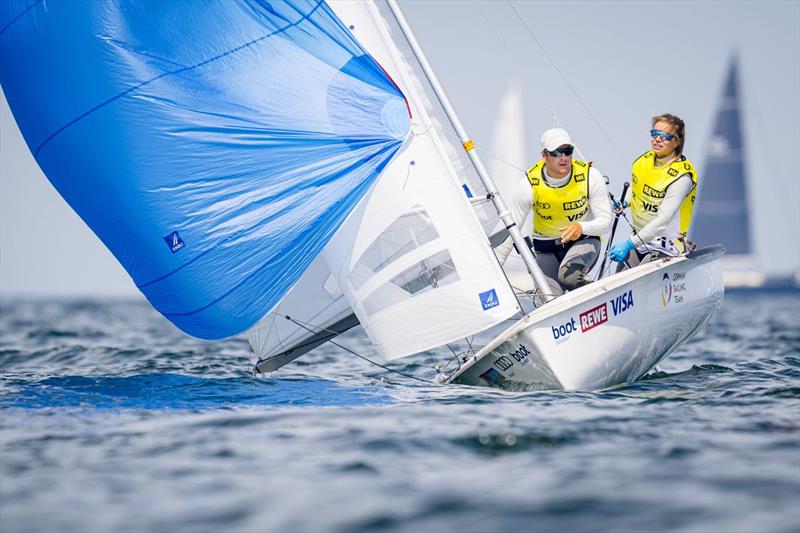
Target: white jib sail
{"points": [[417, 267]]}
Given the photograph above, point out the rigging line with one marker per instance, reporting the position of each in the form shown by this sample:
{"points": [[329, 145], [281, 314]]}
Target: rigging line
{"points": [[287, 317], [509, 163], [481, 151], [575, 92]]}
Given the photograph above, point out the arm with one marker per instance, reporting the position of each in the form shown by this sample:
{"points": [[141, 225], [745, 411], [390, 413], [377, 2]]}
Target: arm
{"points": [[521, 204], [668, 208], [601, 220]]}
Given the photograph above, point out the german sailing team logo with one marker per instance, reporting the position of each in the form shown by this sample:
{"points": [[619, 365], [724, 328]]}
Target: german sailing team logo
{"points": [[666, 289]]}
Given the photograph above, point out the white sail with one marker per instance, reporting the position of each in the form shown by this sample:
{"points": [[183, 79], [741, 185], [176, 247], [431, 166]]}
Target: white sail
{"points": [[417, 270], [428, 213]]}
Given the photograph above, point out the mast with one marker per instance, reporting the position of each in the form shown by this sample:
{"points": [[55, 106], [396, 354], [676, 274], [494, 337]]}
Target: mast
{"points": [[469, 146]]}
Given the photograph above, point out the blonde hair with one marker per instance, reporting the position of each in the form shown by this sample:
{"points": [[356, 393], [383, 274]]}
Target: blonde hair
{"points": [[677, 123]]}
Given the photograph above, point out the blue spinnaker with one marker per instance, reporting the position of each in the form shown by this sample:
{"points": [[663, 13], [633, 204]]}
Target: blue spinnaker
{"points": [[213, 146]]}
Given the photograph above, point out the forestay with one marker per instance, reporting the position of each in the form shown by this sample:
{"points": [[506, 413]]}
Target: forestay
{"points": [[214, 147]]}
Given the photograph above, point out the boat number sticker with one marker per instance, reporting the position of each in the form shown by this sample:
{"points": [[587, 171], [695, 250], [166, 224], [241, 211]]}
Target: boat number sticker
{"points": [[489, 299], [174, 241]]}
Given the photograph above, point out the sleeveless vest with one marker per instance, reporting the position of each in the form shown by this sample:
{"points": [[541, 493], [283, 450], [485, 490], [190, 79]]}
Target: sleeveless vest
{"points": [[556, 207], [649, 186]]}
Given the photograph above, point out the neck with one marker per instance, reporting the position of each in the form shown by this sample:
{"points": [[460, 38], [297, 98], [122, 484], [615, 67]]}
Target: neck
{"points": [[666, 159]]}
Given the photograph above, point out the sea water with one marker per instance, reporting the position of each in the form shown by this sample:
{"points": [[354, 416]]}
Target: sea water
{"points": [[112, 420]]}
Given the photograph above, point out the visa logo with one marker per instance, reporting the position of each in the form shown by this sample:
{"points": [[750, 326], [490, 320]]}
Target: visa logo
{"points": [[622, 303]]}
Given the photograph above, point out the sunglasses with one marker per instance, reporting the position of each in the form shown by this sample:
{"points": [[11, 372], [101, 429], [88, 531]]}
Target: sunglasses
{"points": [[662, 134], [558, 152]]}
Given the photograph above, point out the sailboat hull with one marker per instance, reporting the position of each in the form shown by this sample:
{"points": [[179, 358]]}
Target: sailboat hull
{"points": [[610, 332]]}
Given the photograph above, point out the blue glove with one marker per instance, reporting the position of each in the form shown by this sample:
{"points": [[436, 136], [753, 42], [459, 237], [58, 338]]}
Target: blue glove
{"points": [[619, 252]]}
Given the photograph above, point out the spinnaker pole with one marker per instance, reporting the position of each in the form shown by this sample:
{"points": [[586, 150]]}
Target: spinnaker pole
{"points": [[469, 146]]}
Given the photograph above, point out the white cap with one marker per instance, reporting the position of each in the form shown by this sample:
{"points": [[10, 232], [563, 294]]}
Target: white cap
{"points": [[552, 139]]}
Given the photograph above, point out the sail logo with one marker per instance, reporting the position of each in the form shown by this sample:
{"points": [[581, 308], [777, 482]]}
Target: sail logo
{"points": [[174, 241], [489, 299], [593, 317], [563, 331], [666, 289]]}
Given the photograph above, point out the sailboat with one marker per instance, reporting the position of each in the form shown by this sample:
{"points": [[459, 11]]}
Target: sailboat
{"points": [[298, 176], [723, 213]]}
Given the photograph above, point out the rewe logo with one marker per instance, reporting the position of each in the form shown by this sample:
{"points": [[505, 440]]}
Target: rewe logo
{"points": [[564, 329], [594, 317]]}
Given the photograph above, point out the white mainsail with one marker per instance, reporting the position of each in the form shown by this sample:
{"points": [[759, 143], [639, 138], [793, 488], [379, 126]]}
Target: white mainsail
{"points": [[412, 261]]}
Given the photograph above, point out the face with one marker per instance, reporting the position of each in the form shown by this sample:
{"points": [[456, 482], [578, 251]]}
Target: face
{"points": [[558, 166], [661, 146]]}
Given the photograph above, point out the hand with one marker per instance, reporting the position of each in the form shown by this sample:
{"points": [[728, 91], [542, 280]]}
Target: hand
{"points": [[618, 207], [571, 232], [619, 252]]}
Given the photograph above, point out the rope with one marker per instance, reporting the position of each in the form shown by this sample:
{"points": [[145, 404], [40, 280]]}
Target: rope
{"points": [[287, 317], [566, 81]]}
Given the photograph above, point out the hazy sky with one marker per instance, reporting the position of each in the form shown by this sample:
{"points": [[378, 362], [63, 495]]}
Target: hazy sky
{"points": [[627, 61]]}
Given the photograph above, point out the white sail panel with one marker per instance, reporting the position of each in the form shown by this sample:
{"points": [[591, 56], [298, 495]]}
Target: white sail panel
{"points": [[417, 268], [313, 311]]}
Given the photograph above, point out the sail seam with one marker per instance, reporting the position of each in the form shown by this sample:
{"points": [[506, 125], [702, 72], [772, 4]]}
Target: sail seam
{"points": [[170, 73], [15, 19]]}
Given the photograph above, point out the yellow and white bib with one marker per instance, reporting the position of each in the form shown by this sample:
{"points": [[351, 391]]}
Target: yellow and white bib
{"points": [[648, 188], [555, 207]]}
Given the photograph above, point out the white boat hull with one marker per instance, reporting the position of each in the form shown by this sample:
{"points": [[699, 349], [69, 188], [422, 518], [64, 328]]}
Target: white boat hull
{"points": [[607, 333]]}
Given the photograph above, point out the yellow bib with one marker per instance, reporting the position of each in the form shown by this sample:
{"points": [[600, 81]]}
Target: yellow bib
{"points": [[555, 207], [649, 186]]}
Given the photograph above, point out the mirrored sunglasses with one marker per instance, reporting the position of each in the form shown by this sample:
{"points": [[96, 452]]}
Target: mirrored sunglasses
{"points": [[558, 152], [662, 134]]}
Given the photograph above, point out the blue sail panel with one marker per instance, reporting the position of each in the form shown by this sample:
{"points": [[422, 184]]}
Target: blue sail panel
{"points": [[213, 146]]}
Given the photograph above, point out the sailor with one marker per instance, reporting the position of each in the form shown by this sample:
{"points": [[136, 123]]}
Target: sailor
{"points": [[661, 197], [569, 202]]}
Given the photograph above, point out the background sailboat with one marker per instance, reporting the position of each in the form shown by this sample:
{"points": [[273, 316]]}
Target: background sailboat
{"points": [[723, 214]]}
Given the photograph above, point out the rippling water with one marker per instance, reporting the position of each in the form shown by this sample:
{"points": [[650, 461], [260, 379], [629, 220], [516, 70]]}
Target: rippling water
{"points": [[113, 420]]}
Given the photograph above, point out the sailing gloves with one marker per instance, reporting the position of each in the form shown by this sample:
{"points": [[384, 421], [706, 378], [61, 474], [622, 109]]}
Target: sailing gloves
{"points": [[619, 252]]}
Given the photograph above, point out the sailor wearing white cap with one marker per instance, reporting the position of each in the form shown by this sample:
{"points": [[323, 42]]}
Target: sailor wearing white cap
{"points": [[569, 202]]}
